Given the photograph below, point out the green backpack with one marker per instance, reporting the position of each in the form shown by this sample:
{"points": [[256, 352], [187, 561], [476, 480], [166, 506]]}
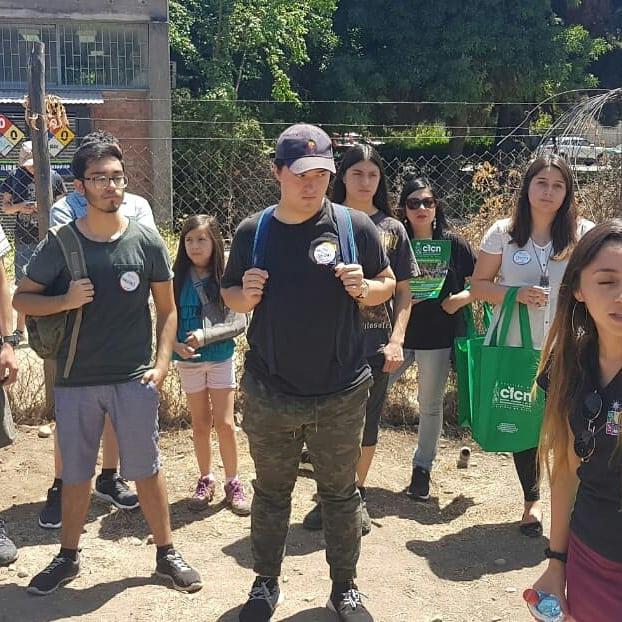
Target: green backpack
{"points": [[46, 333]]}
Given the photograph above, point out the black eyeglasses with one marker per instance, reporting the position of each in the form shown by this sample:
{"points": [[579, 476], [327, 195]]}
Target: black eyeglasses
{"points": [[101, 182], [412, 203], [585, 442]]}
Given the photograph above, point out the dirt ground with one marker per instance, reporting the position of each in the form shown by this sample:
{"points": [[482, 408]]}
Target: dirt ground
{"points": [[457, 558]]}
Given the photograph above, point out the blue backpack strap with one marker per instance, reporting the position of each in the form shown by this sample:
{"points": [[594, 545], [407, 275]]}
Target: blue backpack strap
{"points": [[261, 237], [347, 246]]}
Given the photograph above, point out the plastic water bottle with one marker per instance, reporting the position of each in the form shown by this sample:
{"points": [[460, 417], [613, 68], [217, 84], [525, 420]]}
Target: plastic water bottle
{"points": [[542, 606]]}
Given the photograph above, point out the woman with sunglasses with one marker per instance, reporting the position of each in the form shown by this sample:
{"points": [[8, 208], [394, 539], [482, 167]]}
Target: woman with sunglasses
{"points": [[433, 324], [361, 184], [530, 250], [581, 371]]}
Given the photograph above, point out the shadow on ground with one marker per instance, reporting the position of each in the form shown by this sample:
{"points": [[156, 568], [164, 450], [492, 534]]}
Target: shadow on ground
{"points": [[472, 552], [67, 603], [300, 542], [382, 503], [317, 614]]}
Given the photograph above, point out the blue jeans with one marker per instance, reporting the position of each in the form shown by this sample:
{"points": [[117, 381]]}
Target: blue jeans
{"points": [[433, 366]]}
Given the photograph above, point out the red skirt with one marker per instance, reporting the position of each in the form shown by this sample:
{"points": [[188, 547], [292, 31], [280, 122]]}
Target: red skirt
{"points": [[593, 584]]}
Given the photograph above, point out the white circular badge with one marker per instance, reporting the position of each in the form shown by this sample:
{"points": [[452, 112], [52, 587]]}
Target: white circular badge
{"points": [[521, 258], [325, 253], [129, 281]]}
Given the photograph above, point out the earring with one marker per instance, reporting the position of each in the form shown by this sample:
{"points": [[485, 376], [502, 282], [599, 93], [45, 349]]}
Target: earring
{"points": [[434, 224], [578, 331]]}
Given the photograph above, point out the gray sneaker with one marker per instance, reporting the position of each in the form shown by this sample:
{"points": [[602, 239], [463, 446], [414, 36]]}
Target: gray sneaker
{"points": [[8, 551]]}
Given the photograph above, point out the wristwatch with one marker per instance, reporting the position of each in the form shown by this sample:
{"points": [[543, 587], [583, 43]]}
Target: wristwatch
{"points": [[559, 556], [10, 339], [364, 290]]}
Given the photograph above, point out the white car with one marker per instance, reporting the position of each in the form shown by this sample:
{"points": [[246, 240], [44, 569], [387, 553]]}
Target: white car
{"points": [[576, 149]]}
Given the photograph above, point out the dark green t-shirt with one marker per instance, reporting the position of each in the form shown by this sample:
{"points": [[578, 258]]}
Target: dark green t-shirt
{"points": [[115, 339]]}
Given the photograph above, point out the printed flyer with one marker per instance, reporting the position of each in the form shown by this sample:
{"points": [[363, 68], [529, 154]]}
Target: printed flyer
{"points": [[433, 259]]}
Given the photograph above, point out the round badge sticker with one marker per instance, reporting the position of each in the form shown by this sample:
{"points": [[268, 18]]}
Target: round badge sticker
{"points": [[521, 258], [325, 253], [129, 281]]}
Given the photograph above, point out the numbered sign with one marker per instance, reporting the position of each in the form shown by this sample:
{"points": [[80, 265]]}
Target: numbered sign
{"points": [[64, 136], [10, 133]]}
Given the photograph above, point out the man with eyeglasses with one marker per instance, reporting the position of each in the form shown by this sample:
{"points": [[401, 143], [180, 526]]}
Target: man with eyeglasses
{"points": [[112, 373], [110, 487]]}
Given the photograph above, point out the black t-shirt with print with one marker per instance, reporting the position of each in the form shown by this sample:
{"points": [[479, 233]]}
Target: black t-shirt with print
{"points": [[429, 327], [20, 184], [597, 516], [378, 320], [306, 336]]}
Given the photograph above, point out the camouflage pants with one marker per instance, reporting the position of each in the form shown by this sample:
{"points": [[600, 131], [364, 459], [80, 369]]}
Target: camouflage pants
{"points": [[277, 426]]}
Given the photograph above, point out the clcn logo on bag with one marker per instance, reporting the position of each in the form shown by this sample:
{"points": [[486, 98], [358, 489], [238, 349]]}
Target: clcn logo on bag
{"points": [[509, 396]]}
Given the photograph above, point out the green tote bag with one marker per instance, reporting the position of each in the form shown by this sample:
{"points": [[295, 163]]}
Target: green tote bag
{"points": [[506, 415], [466, 350]]}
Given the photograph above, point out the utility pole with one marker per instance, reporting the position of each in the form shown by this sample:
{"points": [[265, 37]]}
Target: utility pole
{"points": [[43, 186], [39, 133]]}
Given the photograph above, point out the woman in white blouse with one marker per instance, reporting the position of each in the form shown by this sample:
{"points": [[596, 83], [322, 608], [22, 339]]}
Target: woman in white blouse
{"points": [[530, 250]]}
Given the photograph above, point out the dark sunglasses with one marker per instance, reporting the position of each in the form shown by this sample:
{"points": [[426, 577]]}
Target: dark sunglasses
{"points": [[585, 442], [428, 203]]}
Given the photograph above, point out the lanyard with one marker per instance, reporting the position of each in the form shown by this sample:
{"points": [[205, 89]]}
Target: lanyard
{"points": [[544, 268]]}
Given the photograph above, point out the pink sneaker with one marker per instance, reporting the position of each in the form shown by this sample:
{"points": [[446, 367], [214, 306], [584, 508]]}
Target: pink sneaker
{"points": [[236, 499], [204, 493]]}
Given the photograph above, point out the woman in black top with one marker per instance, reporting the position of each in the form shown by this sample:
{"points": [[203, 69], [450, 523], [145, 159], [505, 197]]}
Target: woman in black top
{"points": [[581, 371], [433, 323]]}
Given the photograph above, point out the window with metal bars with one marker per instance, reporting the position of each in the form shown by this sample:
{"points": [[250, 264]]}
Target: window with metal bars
{"points": [[78, 55]]}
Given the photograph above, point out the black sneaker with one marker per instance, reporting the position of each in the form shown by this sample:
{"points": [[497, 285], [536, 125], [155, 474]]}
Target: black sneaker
{"points": [[265, 596], [365, 518], [313, 520], [419, 484], [61, 570], [8, 551], [345, 601], [183, 576], [51, 514], [306, 463], [115, 490]]}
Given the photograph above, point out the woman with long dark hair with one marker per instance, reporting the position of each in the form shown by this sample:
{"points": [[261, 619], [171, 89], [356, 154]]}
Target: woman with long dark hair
{"points": [[530, 250], [581, 371], [434, 322], [361, 185]]}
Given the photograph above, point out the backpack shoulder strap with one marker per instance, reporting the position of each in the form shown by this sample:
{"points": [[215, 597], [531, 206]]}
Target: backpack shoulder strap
{"points": [[198, 286], [345, 232], [71, 247], [69, 243], [261, 237]]}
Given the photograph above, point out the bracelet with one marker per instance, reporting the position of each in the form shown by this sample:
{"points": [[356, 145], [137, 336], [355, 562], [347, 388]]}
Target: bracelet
{"points": [[560, 557]]}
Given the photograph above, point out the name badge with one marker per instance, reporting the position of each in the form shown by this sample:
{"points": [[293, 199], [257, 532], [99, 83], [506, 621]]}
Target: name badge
{"points": [[129, 281], [521, 258], [325, 253]]}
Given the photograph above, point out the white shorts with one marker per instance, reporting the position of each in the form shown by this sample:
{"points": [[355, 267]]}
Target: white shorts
{"points": [[196, 377]]}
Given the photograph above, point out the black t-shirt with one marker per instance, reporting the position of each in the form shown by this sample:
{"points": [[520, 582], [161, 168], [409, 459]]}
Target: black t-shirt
{"points": [[378, 320], [306, 336], [20, 184], [429, 327], [115, 337], [597, 517]]}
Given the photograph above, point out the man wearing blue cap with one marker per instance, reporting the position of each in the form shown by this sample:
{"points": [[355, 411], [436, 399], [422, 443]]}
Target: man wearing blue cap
{"points": [[303, 267]]}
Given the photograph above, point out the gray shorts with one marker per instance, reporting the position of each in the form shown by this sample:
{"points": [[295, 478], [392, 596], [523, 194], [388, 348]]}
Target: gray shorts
{"points": [[133, 411]]}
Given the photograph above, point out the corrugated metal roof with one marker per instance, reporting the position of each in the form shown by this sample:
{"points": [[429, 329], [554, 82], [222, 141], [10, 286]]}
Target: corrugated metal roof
{"points": [[67, 97]]}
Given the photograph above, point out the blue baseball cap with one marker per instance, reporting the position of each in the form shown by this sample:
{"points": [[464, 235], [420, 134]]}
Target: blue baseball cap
{"points": [[303, 147]]}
